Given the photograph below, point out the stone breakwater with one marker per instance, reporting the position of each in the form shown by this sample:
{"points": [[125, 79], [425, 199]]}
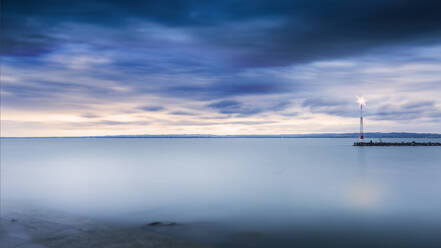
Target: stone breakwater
{"points": [[413, 143]]}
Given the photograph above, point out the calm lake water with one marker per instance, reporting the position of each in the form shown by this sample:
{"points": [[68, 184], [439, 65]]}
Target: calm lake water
{"points": [[236, 192]]}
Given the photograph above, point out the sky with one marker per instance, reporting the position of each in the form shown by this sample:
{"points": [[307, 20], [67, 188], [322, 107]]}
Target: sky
{"points": [[81, 68]]}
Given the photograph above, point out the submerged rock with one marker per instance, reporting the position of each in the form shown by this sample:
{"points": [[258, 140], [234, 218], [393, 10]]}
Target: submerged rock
{"points": [[159, 223]]}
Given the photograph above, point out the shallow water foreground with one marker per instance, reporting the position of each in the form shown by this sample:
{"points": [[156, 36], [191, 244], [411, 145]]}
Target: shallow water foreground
{"points": [[38, 229], [258, 192]]}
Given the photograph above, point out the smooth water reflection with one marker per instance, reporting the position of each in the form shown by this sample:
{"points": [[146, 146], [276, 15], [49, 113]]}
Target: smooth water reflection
{"points": [[274, 186]]}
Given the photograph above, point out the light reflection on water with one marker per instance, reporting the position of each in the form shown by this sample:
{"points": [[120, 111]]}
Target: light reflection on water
{"points": [[271, 186]]}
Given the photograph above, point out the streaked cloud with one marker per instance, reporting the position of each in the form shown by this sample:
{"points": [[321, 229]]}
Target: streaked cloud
{"points": [[116, 67]]}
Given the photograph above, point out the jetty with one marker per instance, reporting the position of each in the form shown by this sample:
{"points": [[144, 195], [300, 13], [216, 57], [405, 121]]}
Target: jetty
{"points": [[412, 143]]}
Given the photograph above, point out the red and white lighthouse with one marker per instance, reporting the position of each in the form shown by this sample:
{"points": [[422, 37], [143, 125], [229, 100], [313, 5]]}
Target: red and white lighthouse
{"points": [[362, 102]]}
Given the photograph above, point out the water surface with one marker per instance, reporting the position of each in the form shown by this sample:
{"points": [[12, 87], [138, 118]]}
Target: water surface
{"points": [[236, 191]]}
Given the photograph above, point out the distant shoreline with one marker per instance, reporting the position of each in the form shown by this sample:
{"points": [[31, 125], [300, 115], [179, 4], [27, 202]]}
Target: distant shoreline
{"points": [[312, 135]]}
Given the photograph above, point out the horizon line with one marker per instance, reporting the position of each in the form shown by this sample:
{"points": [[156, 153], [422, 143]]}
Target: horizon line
{"points": [[307, 135]]}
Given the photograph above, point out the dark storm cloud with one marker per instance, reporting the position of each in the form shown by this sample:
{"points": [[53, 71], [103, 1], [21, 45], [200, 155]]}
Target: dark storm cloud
{"points": [[151, 108], [261, 33], [225, 104], [234, 107], [42, 89], [236, 86]]}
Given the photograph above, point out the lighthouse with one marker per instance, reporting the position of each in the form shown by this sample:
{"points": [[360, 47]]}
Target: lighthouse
{"points": [[362, 102]]}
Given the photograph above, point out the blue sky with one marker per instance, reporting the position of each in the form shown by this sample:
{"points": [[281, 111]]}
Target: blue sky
{"points": [[73, 68]]}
